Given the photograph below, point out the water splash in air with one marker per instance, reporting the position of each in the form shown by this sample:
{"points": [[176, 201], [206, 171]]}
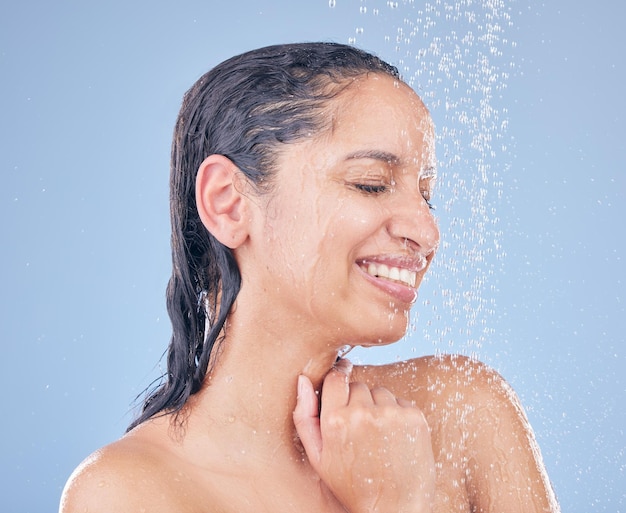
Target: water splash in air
{"points": [[457, 56]]}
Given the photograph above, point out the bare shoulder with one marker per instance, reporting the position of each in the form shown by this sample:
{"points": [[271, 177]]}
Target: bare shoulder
{"points": [[131, 474], [462, 398], [453, 392], [438, 379], [459, 391], [476, 418]]}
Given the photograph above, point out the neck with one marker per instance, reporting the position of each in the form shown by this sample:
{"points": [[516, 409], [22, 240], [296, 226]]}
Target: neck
{"points": [[250, 394]]}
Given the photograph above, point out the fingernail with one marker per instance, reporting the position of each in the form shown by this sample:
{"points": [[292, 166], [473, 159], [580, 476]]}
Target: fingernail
{"points": [[344, 365], [300, 386]]}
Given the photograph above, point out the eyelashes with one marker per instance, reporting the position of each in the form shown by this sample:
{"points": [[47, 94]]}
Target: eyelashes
{"points": [[377, 189], [371, 188]]}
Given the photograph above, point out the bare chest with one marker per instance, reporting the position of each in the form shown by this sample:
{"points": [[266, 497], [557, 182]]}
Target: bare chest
{"points": [[295, 493]]}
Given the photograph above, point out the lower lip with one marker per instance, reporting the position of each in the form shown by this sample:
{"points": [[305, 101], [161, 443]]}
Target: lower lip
{"points": [[402, 293]]}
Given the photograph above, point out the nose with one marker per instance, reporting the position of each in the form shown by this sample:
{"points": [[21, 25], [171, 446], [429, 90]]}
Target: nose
{"points": [[412, 223]]}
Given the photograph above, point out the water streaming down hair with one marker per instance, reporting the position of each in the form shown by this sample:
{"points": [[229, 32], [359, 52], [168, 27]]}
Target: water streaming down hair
{"points": [[244, 109]]}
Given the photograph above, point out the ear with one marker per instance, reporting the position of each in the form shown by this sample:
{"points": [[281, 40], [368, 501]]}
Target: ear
{"points": [[221, 204]]}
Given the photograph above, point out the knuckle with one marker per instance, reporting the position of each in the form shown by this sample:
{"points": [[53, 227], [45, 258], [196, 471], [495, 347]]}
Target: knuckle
{"points": [[358, 387], [417, 417], [335, 421]]}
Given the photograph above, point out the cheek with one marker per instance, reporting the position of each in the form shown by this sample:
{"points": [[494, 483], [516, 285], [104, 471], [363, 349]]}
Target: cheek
{"points": [[294, 240], [344, 229]]}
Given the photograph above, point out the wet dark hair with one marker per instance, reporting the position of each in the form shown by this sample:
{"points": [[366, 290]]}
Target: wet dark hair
{"points": [[245, 109]]}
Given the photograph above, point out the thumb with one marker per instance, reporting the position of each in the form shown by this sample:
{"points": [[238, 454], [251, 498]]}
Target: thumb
{"points": [[307, 420]]}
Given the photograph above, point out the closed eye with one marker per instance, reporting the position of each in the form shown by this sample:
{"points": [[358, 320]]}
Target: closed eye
{"points": [[371, 188]]}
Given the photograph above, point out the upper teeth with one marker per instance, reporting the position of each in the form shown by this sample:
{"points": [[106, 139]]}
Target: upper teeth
{"points": [[392, 273]]}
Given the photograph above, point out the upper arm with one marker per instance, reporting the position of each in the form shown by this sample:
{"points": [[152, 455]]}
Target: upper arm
{"points": [[505, 471]]}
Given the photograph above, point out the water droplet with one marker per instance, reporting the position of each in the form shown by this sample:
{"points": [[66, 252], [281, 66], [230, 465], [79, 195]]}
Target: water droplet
{"points": [[332, 3]]}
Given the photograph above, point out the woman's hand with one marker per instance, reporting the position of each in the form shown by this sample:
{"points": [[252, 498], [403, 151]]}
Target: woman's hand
{"points": [[372, 450]]}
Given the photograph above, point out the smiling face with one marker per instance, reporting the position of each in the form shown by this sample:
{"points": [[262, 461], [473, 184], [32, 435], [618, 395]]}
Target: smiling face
{"points": [[341, 244]]}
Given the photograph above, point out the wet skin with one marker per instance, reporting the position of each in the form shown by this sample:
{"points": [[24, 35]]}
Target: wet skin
{"points": [[358, 193], [277, 427]]}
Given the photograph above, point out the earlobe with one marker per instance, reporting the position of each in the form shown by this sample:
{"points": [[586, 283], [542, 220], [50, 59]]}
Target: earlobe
{"points": [[220, 202]]}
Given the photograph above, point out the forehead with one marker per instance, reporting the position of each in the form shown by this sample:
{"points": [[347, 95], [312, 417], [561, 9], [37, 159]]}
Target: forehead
{"points": [[380, 91], [375, 116], [379, 113]]}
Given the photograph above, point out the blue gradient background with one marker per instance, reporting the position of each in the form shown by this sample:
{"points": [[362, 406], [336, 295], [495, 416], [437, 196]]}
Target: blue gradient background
{"points": [[90, 91]]}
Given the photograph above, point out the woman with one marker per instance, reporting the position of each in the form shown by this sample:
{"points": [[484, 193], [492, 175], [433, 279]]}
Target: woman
{"points": [[301, 223]]}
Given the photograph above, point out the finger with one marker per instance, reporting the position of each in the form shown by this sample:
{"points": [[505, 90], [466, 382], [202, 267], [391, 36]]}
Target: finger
{"points": [[405, 403], [344, 365], [306, 419], [383, 396], [360, 394], [336, 387]]}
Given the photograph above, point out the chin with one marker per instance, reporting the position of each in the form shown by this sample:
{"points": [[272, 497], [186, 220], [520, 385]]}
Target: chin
{"points": [[379, 343], [377, 336]]}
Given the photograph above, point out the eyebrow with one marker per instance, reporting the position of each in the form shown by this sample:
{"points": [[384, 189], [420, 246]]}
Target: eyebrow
{"points": [[383, 156], [390, 158]]}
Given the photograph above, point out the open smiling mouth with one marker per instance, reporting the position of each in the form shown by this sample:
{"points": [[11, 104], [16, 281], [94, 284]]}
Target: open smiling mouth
{"points": [[394, 274]]}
